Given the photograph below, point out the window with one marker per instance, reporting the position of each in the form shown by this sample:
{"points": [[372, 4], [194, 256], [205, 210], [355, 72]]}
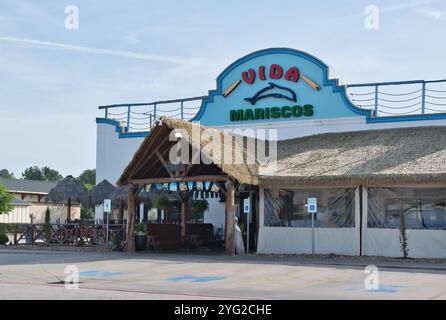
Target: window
{"points": [[287, 207], [416, 208]]}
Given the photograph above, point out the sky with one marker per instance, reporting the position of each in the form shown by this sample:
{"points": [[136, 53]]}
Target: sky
{"points": [[52, 78]]}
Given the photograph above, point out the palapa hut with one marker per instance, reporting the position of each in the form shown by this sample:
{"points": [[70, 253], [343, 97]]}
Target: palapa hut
{"points": [[100, 192], [348, 170], [68, 191]]}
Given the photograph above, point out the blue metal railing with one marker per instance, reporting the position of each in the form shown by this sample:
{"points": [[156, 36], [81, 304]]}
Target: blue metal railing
{"points": [[385, 99], [136, 117], [400, 98]]}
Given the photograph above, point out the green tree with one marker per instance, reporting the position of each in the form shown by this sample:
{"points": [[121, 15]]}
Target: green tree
{"points": [[44, 174], [4, 173], [88, 178], [5, 200], [87, 213], [51, 174], [33, 173]]}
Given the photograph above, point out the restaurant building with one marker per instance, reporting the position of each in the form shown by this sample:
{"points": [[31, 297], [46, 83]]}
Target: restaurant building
{"points": [[373, 155]]}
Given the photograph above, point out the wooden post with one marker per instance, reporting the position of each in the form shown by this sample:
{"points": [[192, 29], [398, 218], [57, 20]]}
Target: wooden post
{"points": [[230, 213], [121, 212], [69, 210], [184, 201], [131, 220]]}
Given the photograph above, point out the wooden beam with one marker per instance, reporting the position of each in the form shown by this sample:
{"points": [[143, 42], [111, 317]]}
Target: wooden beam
{"points": [[179, 179], [130, 245], [145, 151], [149, 160], [230, 223], [163, 162]]}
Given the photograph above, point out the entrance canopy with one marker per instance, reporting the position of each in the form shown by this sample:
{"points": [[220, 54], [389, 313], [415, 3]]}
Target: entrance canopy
{"points": [[151, 164]]}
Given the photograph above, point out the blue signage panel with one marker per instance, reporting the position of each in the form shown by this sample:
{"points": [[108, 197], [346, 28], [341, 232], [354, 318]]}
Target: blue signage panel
{"points": [[275, 85]]}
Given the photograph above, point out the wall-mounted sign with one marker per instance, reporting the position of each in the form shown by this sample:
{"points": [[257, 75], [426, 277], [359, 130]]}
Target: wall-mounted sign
{"points": [[275, 85]]}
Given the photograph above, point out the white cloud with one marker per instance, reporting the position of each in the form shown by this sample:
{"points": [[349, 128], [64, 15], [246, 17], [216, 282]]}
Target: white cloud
{"points": [[116, 53], [432, 13]]}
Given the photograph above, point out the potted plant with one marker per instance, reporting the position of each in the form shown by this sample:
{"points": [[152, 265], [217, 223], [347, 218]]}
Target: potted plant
{"points": [[162, 202], [140, 237], [198, 208]]}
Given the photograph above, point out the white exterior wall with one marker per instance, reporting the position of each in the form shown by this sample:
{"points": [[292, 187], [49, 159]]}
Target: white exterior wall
{"points": [[215, 214], [297, 129], [113, 154], [293, 240]]}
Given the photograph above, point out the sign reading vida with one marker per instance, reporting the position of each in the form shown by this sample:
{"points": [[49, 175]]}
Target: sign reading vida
{"points": [[272, 90]]}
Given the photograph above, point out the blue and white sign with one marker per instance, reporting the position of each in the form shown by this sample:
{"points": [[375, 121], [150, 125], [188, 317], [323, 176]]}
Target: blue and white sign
{"points": [[247, 205], [312, 205], [276, 85], [107, 205]]}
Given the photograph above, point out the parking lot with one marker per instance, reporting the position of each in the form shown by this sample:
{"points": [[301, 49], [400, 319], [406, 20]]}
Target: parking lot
{"points": [[41, 274]]}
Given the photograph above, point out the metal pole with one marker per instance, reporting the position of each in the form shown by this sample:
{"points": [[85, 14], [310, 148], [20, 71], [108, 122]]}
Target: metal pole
{"points": [[106, 235], [312, 233], [128, 118], [182, 110], [376, 101], [423, 98], [247, 231]]}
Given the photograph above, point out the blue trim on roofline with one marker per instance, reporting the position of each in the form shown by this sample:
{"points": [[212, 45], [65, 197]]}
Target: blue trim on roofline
{"points": [[418, 117], [334, 83], [122, 135]]}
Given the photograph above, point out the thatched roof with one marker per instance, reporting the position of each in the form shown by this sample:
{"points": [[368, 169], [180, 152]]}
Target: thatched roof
{"points": [[68, 189], [375, 157], [243, 172], [100, 192]]}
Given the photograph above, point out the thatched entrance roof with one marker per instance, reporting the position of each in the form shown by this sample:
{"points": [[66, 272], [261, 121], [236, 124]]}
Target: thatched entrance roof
{"points": [[143, 165], [377, 157]]}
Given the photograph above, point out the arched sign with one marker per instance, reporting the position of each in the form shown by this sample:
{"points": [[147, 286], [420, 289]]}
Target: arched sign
{"points": [[273, 85]]}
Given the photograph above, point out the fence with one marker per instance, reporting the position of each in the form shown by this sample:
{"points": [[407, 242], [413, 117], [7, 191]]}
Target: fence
{"points": [[136, 117], [67, 234], [401, 98], [385, 99]]}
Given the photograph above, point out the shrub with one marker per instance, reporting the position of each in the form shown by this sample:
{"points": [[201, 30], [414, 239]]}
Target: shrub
{"points": [[140, 228], [47, 225], [3, 238]]}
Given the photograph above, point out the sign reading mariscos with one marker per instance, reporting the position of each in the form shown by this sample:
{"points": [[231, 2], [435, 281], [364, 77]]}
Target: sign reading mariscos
{"points": [[274, 85]]}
